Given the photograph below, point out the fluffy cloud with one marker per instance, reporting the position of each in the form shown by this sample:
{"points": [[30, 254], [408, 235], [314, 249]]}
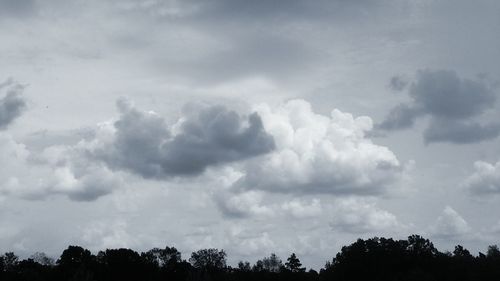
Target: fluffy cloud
{"points": [[243, 205], [13, 157], [300, 209], [12, 105], [320, 154], [143, 144], [450, 225], [77, 176], [451, 102], [401, 116], [362, 216], [485, 180], [63, 170], [252, 204], [289, 149], [138, 142], [100, 235]]}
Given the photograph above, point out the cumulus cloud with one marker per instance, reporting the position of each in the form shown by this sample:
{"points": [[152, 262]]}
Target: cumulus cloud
{"points": [[138, 142], [254, 245], [320, 154], [485, 180], [243, 205], [401, 116], [100, 235], [63, 170], [452, 104], [143, 143], [13, 157], [362, 216], [450, 225], [12, 104], [78, 177], [299, 209]]}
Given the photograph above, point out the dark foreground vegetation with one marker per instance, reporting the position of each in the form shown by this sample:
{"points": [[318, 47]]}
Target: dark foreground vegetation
{"points": [[374, 259]]}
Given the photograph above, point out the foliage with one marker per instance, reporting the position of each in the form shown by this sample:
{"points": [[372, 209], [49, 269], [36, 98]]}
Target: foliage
{"points": [[372, 259]]}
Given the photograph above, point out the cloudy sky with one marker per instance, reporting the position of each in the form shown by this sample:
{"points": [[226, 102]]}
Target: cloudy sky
{"points": [[252, 126]]}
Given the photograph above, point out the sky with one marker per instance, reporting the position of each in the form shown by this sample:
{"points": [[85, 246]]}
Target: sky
{"points": [[251, 126]]}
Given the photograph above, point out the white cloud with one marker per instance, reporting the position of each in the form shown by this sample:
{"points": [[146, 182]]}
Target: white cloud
{"points": [[100, 235], [320, 154], [450, 225], [242, 205], [55, 170], [254, 245], [13, 157], [362, 216], [485, 180], [300, 209]]}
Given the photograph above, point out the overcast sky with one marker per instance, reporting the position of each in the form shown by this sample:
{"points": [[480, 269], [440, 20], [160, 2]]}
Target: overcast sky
{"points": [[252, 126]]}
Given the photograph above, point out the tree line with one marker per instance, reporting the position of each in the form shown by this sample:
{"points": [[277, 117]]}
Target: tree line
{"points": [[372, 259]]}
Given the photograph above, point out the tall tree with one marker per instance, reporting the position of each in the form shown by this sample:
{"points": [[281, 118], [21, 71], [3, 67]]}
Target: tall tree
{"points": [[293, 264], [10, 260], [272, 263], [208, 259]]}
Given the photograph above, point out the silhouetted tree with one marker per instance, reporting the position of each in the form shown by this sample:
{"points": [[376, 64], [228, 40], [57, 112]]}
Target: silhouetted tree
{"points": [[293, 264], [420, 247], [272, 263], [76, 263], [493, 252], [209, 259], [244, 266], [258, 266], [10, 260], [75, 256], [43, 259], [122, 264], [374, 259], [162, 257]]}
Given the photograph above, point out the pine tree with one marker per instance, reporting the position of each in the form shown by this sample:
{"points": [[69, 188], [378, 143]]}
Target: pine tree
{"points": [[293, 264]]}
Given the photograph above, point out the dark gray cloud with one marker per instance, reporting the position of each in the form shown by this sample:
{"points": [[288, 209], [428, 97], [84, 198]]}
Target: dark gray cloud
{"points": [[444, 130], [400, 117], [398, 83], [16, 8], [215, 11], [442, 93], [144, 144], [12, 105], [278, 10], [453, 105]]}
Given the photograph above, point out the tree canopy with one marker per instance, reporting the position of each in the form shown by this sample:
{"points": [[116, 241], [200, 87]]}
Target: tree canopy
{"points": [[372, 259]]}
